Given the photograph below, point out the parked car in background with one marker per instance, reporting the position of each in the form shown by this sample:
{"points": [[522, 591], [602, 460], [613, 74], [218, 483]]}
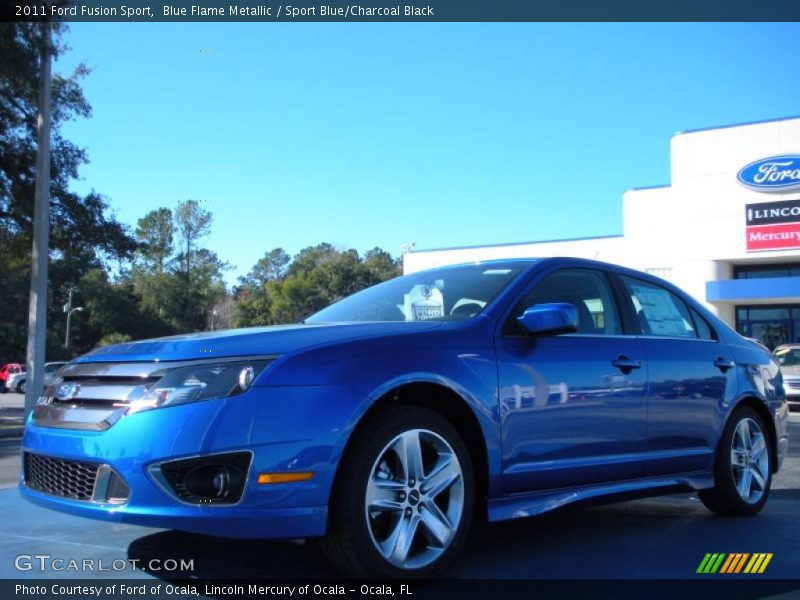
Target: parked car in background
{"points": [[16, 382], [788, 357], [382, 423], [6, 371]]}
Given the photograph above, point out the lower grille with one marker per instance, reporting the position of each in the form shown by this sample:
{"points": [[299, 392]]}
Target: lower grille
{"points": [[60, 477]]}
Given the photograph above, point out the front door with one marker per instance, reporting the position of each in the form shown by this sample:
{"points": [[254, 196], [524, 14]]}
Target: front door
{"points": [[572, 406]]}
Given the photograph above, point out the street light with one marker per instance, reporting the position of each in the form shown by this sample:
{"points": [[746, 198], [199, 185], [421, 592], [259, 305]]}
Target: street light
{"points": [[69, 317]]}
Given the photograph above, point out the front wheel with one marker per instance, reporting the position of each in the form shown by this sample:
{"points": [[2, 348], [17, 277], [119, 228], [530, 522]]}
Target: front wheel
{"points": [[21, 387], [404, 497], [743, 470]]}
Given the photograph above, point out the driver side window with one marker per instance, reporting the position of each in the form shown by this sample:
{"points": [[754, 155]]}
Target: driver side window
{"points": [[586, 289]]}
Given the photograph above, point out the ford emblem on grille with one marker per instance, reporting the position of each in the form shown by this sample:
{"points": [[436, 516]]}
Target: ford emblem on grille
{"points": [[774, 174], [67, 391]]}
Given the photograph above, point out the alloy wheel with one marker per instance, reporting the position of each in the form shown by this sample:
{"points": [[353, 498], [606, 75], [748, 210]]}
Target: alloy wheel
{"points": [[749, 460], [414, 499]]}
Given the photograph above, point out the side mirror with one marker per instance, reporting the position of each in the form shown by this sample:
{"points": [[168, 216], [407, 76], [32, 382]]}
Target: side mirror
{"points": [[558, 317]]}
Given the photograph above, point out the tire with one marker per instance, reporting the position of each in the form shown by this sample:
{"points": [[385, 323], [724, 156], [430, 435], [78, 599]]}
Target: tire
{"points": [[743, 468], [21, 387], [369, 542]]}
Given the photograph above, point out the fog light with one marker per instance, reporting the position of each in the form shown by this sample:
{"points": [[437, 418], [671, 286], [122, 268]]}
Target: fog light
{"points": [[213, 481]]}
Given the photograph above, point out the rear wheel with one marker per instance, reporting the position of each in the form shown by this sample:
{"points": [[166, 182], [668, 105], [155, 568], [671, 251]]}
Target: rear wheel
{"points": [[404, 497], [743, 471]]}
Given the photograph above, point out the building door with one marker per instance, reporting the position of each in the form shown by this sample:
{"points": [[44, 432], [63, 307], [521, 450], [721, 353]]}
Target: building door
{"points": [[770, 325]]}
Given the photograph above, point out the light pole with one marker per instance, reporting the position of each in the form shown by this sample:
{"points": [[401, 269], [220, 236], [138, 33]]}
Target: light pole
{"points": [[69, 317], [37, 308]]}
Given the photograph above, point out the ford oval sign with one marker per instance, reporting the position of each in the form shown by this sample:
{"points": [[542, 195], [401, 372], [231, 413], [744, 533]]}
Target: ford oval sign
{"points": [[773, 174]]}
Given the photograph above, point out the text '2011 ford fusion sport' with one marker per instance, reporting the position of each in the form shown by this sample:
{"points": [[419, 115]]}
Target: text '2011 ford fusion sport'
{"points": [[386, 422]]}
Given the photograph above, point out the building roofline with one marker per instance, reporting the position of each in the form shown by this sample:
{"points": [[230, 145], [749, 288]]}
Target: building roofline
{"points": [[648, 187], [743, 124], [475, 247]]}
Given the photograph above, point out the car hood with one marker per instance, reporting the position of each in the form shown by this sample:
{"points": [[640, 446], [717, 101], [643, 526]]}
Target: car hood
{"points": [[277, 339]]}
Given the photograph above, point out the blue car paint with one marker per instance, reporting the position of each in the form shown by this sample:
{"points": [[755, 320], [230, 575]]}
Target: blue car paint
{"points": [[303, 408]]}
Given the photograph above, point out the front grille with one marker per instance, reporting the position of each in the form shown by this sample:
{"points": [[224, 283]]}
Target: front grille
{"points": [[60, 477]]}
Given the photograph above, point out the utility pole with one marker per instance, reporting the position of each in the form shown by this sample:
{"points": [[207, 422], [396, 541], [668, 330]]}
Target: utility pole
{"points": [[69, 310], [37, 308]]}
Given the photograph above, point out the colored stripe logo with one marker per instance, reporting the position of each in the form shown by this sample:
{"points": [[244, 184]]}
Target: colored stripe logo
{"points": [[734, 562]]}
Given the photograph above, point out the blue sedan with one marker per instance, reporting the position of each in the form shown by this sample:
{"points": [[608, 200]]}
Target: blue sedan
{"points": [[387, 422]]}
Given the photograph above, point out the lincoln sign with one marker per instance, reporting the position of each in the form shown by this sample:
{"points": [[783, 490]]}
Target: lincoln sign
{"points": [[773, 225]]}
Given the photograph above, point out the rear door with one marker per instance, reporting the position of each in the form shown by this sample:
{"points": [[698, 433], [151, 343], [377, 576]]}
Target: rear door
{"points": [[691, 377]]}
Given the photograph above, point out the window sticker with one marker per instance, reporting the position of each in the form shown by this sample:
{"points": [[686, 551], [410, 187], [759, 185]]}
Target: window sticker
{"points": [[663, 316], [423, 302]]}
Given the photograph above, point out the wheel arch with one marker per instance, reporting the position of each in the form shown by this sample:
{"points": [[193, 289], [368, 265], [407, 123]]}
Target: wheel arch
{"points": [[449, 404], [762, 410]]}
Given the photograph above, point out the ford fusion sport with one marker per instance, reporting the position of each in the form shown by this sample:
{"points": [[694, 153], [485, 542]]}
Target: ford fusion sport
{"points": [[386, 423]]}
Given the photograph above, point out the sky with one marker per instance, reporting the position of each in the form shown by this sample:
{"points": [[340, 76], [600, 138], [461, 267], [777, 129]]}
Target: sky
{"points": [[438, 134]]}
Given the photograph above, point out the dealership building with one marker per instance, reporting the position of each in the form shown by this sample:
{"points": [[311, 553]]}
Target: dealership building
{"points": [[726, 229]]}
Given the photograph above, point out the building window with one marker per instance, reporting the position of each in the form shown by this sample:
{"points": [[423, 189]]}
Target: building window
{"points": [[762, 271], [770, 325]]}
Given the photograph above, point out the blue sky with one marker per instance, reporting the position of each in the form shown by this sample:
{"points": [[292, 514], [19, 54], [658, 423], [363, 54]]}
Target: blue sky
{"points": [[368, 135]]}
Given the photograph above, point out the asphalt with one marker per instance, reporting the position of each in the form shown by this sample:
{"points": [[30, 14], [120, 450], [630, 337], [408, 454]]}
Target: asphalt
{"points": [[664, 537]]}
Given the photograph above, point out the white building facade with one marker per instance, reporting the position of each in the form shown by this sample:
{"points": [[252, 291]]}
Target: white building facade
{"points": [[726, 230]]}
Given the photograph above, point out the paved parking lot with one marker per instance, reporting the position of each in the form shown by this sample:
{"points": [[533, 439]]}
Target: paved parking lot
{"points": [[655, 538]]}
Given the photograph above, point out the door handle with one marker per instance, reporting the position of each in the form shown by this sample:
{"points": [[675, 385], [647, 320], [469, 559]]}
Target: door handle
{"points": [[625, 364], [724, 364]]}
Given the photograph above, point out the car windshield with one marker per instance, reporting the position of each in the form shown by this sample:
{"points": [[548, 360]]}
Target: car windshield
{"points": [[788, 357], [449, 293]]}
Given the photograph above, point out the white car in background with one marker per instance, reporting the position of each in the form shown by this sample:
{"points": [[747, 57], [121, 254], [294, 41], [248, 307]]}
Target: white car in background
{"points": [[16, 382], [788, 357]]}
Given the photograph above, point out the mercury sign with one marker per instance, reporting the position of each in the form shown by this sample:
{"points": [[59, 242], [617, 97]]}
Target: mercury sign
{"points": [[773, 225], [773, 174]]}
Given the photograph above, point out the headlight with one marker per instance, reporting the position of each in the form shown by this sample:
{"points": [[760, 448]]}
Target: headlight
{"points": [[199, 382]]}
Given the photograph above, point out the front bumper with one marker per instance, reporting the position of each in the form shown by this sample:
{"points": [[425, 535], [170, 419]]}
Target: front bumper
{"points": [[293, 428]]}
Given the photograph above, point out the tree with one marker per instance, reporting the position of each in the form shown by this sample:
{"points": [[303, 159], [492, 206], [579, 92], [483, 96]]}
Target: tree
{"points": [[82, 233], [192, 223], [177, 290], [381, 265], [316, 277], [269, 268], [154, 233]]}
